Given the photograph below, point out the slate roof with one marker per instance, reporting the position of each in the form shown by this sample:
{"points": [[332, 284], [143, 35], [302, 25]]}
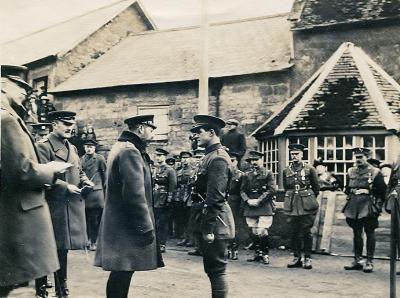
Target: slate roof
{"points": [[61, 38], [308, 14], [350, 91], [235, 48]]}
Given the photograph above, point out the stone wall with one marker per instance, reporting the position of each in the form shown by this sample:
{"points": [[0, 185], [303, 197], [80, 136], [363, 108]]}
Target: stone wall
{"points": [[127, 22], [313, 48], [106, 109]]}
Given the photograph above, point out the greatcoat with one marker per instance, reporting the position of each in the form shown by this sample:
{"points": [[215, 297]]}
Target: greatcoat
{"points": [[27, 244], [128, 212]]}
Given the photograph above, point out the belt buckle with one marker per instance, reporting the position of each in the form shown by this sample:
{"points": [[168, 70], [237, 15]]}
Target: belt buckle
{"points": [[297, 188]]}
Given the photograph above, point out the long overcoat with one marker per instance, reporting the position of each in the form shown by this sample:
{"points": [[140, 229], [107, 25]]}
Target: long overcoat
{"points": [[94, 167], [128, 211], [67, 210], [27, 244]]}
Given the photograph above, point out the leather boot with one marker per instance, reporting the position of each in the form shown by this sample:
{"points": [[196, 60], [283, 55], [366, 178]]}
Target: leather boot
{"points": [[295, 263], [355, 265], [368, 267], [307, 263], [235, 254]]}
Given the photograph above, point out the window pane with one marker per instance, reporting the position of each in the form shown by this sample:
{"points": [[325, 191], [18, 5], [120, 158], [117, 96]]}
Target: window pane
{"points": [[339, 154], [339, 142], [380, 141], [320, 154], [368, 141], [320, 142], [349, 141], [292, 140], [304, 141], [380, 154], [330, 142], [349, 154], [329, 154], [331, 167], [340, 168], [305, 154]]}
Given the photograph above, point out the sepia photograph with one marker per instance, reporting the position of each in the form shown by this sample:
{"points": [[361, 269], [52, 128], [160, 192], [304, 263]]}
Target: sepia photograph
{"points": [[200, 148]]}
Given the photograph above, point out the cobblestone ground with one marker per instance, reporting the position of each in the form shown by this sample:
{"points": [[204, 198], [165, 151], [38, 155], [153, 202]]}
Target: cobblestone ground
{"points": [[183, 277]]}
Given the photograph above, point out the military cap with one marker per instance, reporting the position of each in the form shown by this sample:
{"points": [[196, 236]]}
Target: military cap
{"points": [[234, 154], [17, 74], [254, 155], [41, 128], [90, 141], [361, 151], [177, 157], [141, 119], [44, 97], [185, 153], [160, 151], [202, 121], [374, 162], [232, 122], [296, 147], [64, 116], [170, 161]]}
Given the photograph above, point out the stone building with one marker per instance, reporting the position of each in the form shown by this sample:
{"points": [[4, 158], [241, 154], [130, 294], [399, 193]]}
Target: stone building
{"points": [[157, 72], [55, 53]]}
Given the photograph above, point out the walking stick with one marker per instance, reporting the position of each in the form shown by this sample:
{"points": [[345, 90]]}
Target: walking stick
{"points": [[394, 243]]}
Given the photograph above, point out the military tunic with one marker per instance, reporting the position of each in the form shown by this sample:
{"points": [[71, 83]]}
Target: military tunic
{"points": [[258, 183]]}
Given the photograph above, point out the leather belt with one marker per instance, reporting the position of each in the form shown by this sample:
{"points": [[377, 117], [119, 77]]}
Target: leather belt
{"points": [[360, 191]]}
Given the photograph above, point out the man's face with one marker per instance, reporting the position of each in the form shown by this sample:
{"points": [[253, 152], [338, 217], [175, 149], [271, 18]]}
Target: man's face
{"points": [[89, 149], [255, 162], [15, 92], [203, 137], [296, 156], [63, 129], [232, 127], [147, 132], [185, 160], [160, 158], [361, 159]]}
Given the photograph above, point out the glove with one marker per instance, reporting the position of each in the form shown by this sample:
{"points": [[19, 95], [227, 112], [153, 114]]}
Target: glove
{"points": [[145, 239]]}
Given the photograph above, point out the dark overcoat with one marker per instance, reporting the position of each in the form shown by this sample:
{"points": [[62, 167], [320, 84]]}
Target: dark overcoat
{"points": [[27, 244], [94, 167], [67, 210], [128, 211]]}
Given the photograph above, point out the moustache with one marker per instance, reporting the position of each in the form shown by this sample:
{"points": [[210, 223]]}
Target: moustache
{"points": [[67, 131]]}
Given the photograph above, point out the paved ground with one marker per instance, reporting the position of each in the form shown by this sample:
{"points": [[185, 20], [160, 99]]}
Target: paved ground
{"points": [[183, 277]]}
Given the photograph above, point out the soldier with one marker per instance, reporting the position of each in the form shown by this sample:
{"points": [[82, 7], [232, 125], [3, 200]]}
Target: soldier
{"points": [[257, 191], [41, 130], [164, 188], [234, 140], [216, 220], [94, 166], [67, 207], [27, 244], [183, 190], [300, 182], [127, 235], [44, 107], [234, 201], [366, 193]]}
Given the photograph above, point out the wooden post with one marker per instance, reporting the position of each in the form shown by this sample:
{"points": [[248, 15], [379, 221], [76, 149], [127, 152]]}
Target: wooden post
{"points": [[203, 78], [394, 243]]}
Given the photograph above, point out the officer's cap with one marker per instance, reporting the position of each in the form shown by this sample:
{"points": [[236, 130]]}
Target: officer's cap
{"points": [[160, 151], [185, 154], [232, 122], [202, 121], [234, 154], [254, 155], [141, 119], [17, 74], [361, 151], [170, 161], [41, 128], [91, 142], [296, 147], [64, 116]]}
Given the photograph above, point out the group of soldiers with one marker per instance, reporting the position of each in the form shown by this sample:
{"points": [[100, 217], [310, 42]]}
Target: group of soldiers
{"points": [[48, 187]]}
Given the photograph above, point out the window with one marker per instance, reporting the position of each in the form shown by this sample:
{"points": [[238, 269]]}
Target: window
{"points": [[40, 84], [160, 120], [377, 146], [270, 160]]}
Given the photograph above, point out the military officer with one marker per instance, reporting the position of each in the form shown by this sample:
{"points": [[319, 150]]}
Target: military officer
{"points": [[94, 166], [183, 190], [41, 130], [27, 244], [366, 193], [301, 184], [216, 220], [234, 201], [164, 189], [67, 207], [44, 107], [127, 238]]}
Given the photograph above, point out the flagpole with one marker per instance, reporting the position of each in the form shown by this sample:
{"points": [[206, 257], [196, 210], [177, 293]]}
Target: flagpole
{"points": [[204, 64]]}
